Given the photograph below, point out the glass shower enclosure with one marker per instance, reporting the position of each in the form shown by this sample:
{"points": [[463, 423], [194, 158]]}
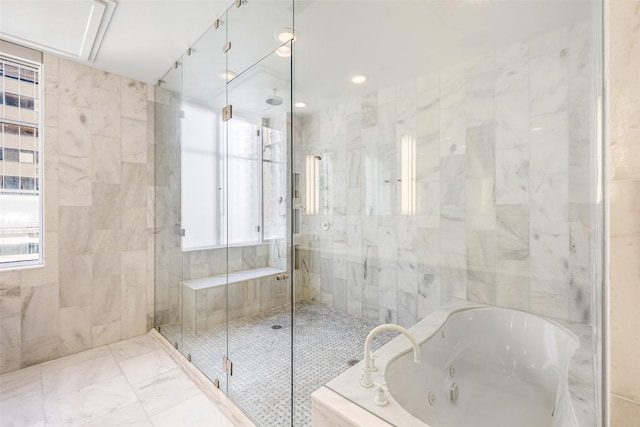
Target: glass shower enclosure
{"points": [[223, 205], [296, 208]]}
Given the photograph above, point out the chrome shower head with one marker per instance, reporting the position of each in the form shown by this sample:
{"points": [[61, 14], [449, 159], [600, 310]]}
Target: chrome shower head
{"points": [[275, 99]]}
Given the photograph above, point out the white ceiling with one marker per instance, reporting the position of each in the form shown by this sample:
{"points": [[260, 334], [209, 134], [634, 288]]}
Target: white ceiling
{"points": [[387, 40]]}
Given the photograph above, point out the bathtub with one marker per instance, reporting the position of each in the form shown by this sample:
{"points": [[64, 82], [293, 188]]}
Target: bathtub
{"points": [[480, 367]]}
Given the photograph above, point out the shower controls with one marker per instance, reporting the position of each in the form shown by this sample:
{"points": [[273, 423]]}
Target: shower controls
{"points": [[432, 398], [325, 225], [452, 371], [283, 276], [454, 393]]}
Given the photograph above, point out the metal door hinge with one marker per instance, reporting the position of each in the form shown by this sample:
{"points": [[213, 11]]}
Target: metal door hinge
{"points": [[189, 357], [257, 228], [227, 365], [216, 383], [227, 113], [226, 47], [217, 23], [240, 2], [175, 344]]}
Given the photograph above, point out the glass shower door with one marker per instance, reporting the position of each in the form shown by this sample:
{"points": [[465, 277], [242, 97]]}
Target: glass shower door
{"points": [[258, 206]]}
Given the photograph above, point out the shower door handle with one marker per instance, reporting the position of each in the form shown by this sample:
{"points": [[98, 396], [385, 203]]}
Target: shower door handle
{"points": [[283, 276]]}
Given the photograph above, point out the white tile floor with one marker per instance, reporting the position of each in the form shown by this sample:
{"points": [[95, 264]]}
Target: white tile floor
{"points": [[132, 383]]}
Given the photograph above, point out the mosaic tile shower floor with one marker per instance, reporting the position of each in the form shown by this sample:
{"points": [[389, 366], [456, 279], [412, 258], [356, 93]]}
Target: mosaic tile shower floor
{"points": [[325, 341]]}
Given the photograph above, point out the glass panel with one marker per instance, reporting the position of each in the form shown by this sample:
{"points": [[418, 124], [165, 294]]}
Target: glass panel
{"points": [[204, 251], [168, 253], [462, 171], [260, 310], [256, 29]]}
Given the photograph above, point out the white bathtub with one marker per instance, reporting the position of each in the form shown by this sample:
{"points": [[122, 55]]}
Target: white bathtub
{"points": [[509, 369]]}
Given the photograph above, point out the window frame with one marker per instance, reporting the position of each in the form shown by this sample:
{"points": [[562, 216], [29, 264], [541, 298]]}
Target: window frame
{"points": [[21, 56]]}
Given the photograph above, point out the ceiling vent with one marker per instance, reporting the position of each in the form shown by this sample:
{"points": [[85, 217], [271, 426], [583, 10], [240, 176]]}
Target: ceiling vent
{"points": [[70, 28]]}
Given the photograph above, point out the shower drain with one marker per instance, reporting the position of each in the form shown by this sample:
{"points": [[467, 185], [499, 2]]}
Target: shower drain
{"points": [[276, 327], [352, 362]]}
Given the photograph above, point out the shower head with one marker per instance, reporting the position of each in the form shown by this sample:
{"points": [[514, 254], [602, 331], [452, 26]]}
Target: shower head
{"points": [[275, 99], [318, 155]]}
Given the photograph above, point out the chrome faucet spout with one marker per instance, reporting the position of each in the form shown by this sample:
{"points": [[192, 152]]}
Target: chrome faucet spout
{"points": [[366, 370]]}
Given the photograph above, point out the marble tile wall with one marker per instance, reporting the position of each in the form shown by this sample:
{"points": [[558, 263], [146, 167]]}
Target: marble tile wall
{"points": [[96, 286], [624, 193], [502, 183]]}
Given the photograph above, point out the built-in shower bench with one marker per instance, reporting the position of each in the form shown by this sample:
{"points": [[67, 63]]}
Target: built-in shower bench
{"points": [[235, 277], [207, 302]]}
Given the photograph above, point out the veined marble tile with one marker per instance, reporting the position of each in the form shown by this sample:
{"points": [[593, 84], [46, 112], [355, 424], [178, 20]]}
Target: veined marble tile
{"points": [[428, 202], [134, 140], [549, 236], [481, 251], [512, 119], [512, 175], [133, 415], [549, 196], [549, 144], [387, 246], [407, 271], [549, 41], [196, 411], [407, 309], [551, 305], [481, 287], [75, 329], [75, 81], [428, 112], [10, 301], [11, 350], [480, 64], [548, 88], [40, 307], [429, 289], [21, 382], [452, 181], [452, 86], [579, 49], [105, 159], [134, 318], [387, 288], [481, 204], [428, 81], [453, 232], [75, 180], [22, 410], [340, 294], [133, 99], [75, 131], [146, 366], [161, 392], [481, 152], [452, 132], [512, 67], [512, 291], [427, 160], [70, 377], [75, 278], [369, 110], [89, 403], [105, 113], [512, 232], [549, 268]]}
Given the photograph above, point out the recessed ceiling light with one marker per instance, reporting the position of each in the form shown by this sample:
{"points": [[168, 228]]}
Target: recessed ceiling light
{"points": [[300, 104], [286, 34], [359, 79], [283, 51], [227, 75]]}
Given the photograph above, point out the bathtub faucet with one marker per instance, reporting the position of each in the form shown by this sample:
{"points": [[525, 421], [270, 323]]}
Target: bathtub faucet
{"points": [[366, 370]]}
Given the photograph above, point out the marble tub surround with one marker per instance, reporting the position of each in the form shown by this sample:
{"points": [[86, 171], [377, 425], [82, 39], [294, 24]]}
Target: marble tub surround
{"points": [[129, 382], [624, 193], [502, 213], [96, 286], [347, 385]]}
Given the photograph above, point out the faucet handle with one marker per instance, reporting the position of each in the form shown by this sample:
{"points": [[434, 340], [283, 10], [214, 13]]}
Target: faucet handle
{"points": [[372, 358], [381, 398]]}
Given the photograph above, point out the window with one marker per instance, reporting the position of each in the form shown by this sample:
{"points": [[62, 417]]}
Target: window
{"points": [[236, 157], [21, 222]]}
